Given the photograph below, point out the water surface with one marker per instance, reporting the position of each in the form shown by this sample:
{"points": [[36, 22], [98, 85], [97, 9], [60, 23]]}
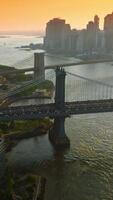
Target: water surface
{"points": [[85, 171]]}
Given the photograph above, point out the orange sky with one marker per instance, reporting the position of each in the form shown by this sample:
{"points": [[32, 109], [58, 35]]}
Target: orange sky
{"points": [[33, 14]]}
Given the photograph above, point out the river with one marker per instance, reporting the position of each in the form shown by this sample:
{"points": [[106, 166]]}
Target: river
{"points": [[85, 170]]}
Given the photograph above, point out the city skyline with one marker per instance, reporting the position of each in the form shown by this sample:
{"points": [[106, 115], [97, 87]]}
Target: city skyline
{"points": [[32, 15]]}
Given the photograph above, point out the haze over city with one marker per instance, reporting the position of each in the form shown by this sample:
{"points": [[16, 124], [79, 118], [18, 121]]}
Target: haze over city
{"points": [[32, 15]]}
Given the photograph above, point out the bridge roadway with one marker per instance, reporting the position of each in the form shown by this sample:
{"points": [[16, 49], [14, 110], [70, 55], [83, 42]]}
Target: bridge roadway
{"points": [[49, 110]]}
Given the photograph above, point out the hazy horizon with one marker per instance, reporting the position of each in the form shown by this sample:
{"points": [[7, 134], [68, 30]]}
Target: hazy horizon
{"points": [[22, 32]]}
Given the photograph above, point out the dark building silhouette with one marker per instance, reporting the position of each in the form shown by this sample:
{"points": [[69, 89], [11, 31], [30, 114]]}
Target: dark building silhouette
{"points": [[60, 38], [57, 35], [98, 34], [81, 42], [96, 22], [93, 42], [108, 31], [90, 37], [73, 41]]}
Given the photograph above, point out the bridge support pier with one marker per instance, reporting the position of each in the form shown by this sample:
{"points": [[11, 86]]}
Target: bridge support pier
{"points": [[57, 134]]}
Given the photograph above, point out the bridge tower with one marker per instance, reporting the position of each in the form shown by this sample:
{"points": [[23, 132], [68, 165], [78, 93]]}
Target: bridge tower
{"points": [[39, 71], [57, 134]]}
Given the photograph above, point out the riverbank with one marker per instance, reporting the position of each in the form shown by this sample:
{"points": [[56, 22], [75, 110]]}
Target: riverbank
{"points": [[12, 81], [13, 132], [5, 67]]}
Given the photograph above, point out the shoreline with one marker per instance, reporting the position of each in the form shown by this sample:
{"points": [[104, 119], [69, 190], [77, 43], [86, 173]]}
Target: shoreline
{"points": [[12, 139]]}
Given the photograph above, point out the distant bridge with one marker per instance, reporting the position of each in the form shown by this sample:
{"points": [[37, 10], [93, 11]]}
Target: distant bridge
{"points": [[32, 69]]}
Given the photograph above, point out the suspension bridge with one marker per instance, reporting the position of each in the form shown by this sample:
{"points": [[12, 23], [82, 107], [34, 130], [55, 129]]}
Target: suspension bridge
{"points": [[74, 94]]}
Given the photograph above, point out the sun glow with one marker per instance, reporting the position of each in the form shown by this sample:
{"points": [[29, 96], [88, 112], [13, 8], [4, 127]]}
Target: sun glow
{"points": [[31, 15]]}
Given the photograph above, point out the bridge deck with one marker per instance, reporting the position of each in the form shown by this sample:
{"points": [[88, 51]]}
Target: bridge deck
{"points": [[49, 110]]}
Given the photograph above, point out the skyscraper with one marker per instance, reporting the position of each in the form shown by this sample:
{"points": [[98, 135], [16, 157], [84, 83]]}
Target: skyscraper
{"points": [[60, 38], [92, 36], [96, 22], [57, 35], [108, 30]]}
